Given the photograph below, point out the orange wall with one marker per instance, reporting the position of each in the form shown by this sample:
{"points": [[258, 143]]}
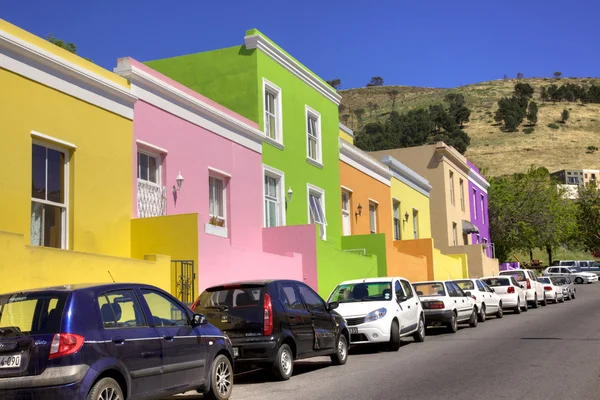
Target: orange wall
{"points": [[416, 248], [413, 268]]}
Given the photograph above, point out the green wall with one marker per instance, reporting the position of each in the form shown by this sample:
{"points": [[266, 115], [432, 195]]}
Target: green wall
{"points": [[374, 244]]}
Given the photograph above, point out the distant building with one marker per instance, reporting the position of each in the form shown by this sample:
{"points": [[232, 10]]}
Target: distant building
{"points": [[569, 176], [591, 175]]}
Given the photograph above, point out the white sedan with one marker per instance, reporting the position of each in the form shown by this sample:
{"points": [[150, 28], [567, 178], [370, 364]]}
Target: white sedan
{"points": [[575, 274], [554, 293], [512, 293], [486, 301]]}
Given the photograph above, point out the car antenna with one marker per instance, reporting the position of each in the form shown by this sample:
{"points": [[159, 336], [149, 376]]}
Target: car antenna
{"points": [[368, 273], [111, 277]]}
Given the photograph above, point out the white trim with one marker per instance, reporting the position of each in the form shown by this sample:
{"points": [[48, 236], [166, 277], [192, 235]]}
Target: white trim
{"points": [[274, 172], [375, 208], [160, 150], [346, 130], [42, 136], [158, 158], [479, 181], [257, 41], [314, 163], [163, 95], [215, 230], [373, 201], [358, 159], [217, 175], [267, 85], [219, 172], [310, 112], [407, 175], [347, 189], [274, 143], [42, 66], [321, 192]]}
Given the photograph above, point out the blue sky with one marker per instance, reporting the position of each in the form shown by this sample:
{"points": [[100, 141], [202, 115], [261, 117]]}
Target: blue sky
{"points": [[422, 43]]}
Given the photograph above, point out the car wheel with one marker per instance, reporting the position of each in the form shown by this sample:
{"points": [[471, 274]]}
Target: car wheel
{"points": [[473, 319], [419, 335], [341, 355], [518, 308], [562, 299], [453, 324], [579, 280], [283, 367], [481, 316], [500, 312], [573, 296], [535, 302], [106, 388], [394, 344], [221, 379], [544, 302]]}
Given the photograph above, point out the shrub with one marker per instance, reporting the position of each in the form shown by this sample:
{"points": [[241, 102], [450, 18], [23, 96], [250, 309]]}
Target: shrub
{"points": [[591, 149], [528, 130], [553, 126]]}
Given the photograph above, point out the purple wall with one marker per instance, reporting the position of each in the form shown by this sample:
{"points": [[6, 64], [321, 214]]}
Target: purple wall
{"points": [[478, 200]]}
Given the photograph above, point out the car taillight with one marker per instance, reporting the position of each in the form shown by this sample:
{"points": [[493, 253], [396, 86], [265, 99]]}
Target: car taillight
{"points": [[547, 288], [268, 320], [528, 284], [64, 344], [436, 304], [474, 297], [511, 289]]}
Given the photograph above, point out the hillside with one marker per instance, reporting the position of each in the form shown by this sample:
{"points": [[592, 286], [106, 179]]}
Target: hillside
{"points": [[496, 151]]}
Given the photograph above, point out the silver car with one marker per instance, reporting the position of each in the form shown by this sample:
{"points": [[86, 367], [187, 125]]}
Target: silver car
{"points": [[567, 286]]}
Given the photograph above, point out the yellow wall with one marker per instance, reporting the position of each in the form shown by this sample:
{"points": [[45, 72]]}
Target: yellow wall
{"points": [[100, 184], [449, 266], [411, 199], [25, 267], [346, 137]]}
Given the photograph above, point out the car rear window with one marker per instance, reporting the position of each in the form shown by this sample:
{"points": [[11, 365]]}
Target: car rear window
{"points": [[518, 275], [497, 281], [430, 289], [31, 313], [231, 297], [465, 285], [544, 280]]}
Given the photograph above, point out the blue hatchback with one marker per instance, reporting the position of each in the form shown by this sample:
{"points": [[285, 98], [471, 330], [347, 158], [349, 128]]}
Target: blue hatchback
{"points": [[108, 342]]}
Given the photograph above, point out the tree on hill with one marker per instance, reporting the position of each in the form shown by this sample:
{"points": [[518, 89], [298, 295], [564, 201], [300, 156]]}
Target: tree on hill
{"points": [[375, 81], [589, 217], [345, 119], [544, 94], [70, 47], [511, 112], [371, 106], [335, 83], [393, 95], [564, 116], [557, 74], [359, 112], [532, 113], [519, 76], [455, 99], [553, 93], [523, 90], [341, 109], [461, 115]]}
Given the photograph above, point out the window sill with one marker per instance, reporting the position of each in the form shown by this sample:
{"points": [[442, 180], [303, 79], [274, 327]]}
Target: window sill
{"points": [[215, 230], [313, 162], [274, 143]]}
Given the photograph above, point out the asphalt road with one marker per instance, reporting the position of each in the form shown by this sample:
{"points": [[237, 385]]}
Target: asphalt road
{"points": [[548, 353]]}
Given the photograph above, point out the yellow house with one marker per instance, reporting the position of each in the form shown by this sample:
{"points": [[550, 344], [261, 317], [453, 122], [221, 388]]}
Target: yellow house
{"points": [[66, 181]]}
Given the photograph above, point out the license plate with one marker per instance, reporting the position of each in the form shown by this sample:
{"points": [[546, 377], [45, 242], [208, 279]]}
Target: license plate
{"points": [[236, 352], [10, 361], [353, 330]]}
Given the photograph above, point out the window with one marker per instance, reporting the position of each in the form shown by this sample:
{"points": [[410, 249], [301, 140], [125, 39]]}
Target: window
{"points": [[311, 299], [572, 180], [474, 204], [451, 187], [454, 234], [480, 286], [397, 230], [274, 198], [165, 311], [478, 238], [316, 208], [415, 223], [482, 209], [372, 217], [398, 289], [459, 291], [149, 168], [451, 290], [346, 226], [121, 309], [462, 194], [272, 111], [216, 201], [32, 313], [290, 297], [313, 135], [407, 289], [49, 183]]}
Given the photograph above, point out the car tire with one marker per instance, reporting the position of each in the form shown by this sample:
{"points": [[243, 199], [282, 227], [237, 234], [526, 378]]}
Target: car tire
{"points": [[419, 335], [341, 355], [544, 302], [562, 299], [534, 304], [283, 366], [579, 280], [221, 379], [394, 343], [518, 308], [106, 388], [481, 316], [473, 319], [500, 312], [573, 296], [453, 324]]}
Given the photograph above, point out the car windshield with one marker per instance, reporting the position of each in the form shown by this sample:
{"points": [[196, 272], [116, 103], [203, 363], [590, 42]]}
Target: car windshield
{"points": [[430, 289], [594, 264], [363, 291], [31, 313], [544, 280], [465, 285], [497, 281], [518, 275]]}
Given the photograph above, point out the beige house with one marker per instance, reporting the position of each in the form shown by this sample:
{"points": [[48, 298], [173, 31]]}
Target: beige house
{"points": [[447, 172]]}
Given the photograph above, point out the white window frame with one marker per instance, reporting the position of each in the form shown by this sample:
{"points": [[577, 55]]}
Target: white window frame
{"points": [[481, 199], [346, 212], [399, 217], [454, 234], [275, 90], [452, 201], [64, 235], [461, 184], [315, 190], [280, 176], [225, 184], [318, 162], [158, 158], [474, 204], [373, 216], [415, 215]]}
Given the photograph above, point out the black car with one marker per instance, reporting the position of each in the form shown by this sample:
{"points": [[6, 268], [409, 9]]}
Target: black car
{"points": [[274, 322]]}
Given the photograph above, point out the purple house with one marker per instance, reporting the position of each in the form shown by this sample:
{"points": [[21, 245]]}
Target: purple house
{"points": [[478, 200]]}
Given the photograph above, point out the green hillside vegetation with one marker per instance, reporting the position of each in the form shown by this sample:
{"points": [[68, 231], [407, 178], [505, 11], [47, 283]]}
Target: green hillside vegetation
{"points": [[553, 142]]}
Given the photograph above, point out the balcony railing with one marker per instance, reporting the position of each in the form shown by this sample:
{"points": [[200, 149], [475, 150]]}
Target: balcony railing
{"points": [[152, 200]]}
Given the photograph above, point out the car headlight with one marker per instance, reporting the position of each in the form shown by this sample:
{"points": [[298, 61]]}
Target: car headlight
{"points": [[375, 315]]}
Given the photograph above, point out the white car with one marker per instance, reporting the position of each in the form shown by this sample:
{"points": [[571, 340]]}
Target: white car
{"points": [[554, 293], [380, 310], [511, 292], [535, 290], [486, 301], [575, 274], [446, 304]]}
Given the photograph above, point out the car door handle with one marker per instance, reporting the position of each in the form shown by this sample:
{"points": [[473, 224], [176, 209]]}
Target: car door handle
{"points": [[291, 317], [169, 338], [118, 341]]}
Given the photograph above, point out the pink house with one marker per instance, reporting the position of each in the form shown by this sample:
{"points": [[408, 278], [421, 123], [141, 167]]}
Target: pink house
{"points": [[198, 188]]}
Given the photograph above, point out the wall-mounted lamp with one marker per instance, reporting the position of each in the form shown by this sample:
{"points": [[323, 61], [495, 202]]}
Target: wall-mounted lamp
{"points": [[406, 217], [179, 181], [290, 194], [359, 212]]}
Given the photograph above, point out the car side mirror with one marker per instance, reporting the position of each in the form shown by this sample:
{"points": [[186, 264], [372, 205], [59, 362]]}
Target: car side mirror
{"points": [[402, 299], [493, 290], [522, 286], [467, 294], [333, 305], [199, 319]]}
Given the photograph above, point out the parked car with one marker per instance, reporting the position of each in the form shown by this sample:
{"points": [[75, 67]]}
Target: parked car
{"points": [[111, 341], [275, 322], [577, 275], [446, 304], [512, 293], [590, 266], [535, 290], [567, 286], [486, 301], [380, 310], [554, 292]]}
